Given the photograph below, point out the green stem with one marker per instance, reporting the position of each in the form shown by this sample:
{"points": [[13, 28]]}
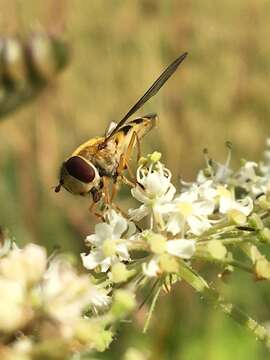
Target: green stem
{"points": [[232, 240], [213, 297], [151, 310], [224, 226], [224, 262]]}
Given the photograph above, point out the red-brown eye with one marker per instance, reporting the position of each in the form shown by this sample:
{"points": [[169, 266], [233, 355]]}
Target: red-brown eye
{"points": [[80, 169]]}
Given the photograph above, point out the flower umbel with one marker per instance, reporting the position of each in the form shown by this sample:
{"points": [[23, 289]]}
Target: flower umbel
{"points": [[49, 308], [109, 243]]}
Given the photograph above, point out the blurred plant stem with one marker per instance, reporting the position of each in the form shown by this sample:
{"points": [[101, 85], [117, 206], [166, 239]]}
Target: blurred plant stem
{"points": [[215, 299]]}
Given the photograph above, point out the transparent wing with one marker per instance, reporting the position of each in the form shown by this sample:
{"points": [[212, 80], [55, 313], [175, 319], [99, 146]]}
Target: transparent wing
{"points": [[167, 73]]}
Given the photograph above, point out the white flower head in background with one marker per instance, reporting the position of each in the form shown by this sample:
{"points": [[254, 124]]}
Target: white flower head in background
{"points": [[25, 265], [14, 312], [109, 243], [66, 294]]}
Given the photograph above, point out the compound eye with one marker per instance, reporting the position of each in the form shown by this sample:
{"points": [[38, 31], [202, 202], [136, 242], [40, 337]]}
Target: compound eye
{"points": [[80, 169]]}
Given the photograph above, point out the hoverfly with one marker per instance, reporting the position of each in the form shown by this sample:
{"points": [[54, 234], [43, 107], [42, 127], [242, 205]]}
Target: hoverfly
{"points": [[100, 158], [27, 65]]}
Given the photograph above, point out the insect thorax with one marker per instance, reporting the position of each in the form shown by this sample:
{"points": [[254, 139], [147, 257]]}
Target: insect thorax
{"points": [[106, 160]]}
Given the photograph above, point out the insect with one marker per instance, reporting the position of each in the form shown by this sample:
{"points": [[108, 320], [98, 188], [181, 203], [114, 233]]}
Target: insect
{"points": [[90, 166]]}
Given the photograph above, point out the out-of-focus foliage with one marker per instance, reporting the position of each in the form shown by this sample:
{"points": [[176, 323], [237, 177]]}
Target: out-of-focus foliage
{"points": [[219, 94], [27, 66]]}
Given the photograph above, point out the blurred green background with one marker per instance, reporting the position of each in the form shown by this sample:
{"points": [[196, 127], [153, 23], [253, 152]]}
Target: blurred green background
{"points": [[220, 93]]}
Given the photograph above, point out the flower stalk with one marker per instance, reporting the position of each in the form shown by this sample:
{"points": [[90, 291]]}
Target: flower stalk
{"points": [[216, 300]]}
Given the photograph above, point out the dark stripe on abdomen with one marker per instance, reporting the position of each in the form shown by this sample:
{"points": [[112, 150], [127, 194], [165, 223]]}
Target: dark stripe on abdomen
{"points": [[126, 128], [137, 121]]}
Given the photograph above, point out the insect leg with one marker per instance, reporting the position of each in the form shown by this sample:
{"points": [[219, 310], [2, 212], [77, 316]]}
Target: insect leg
{"points": [[115, 189], [138, 147], [130, 147], [122, 165], [106, 190], [124, 160], [93, 211]]}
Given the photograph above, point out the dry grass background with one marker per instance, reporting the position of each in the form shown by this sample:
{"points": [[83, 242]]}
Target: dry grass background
{"points": [[118, 48]]}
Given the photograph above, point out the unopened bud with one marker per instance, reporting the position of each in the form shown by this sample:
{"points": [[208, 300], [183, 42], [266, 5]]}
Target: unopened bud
{"points": [[155, 156], [263, 202], [265, 235], [237, 217], [168, 263], [255, 221], [216, 249], [123, 303], [120, 273], [157, 243]]}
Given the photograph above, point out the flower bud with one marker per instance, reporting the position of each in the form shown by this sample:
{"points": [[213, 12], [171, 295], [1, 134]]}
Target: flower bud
{"points": [[262, 268], [255, 221], [93, 335], [157, 243], [168, 263], [120, 273], [155, 157], [237, 217], [123, 303], [134, 354], [216, 249], [265, 235], [263, 202]]}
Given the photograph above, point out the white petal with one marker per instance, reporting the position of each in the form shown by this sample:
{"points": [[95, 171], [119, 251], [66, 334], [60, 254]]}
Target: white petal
{"points": [[169, 194], [122, 251], [139, 194], [151, 269], [187, 196], [204, 207], [120, 227], [131, 230], [107, 262], [92, 260], [99, 298], [175, 224], [182, 248], [207, 191], [245, 206], [164, 209], [103, 231], [225, 204], [154, 185], [138, 214], [93, 239], [198, 224]]}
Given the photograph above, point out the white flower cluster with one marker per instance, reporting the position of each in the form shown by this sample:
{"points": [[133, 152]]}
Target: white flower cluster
{"points": [[174, 226], [45, 300], [48, 309]]}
